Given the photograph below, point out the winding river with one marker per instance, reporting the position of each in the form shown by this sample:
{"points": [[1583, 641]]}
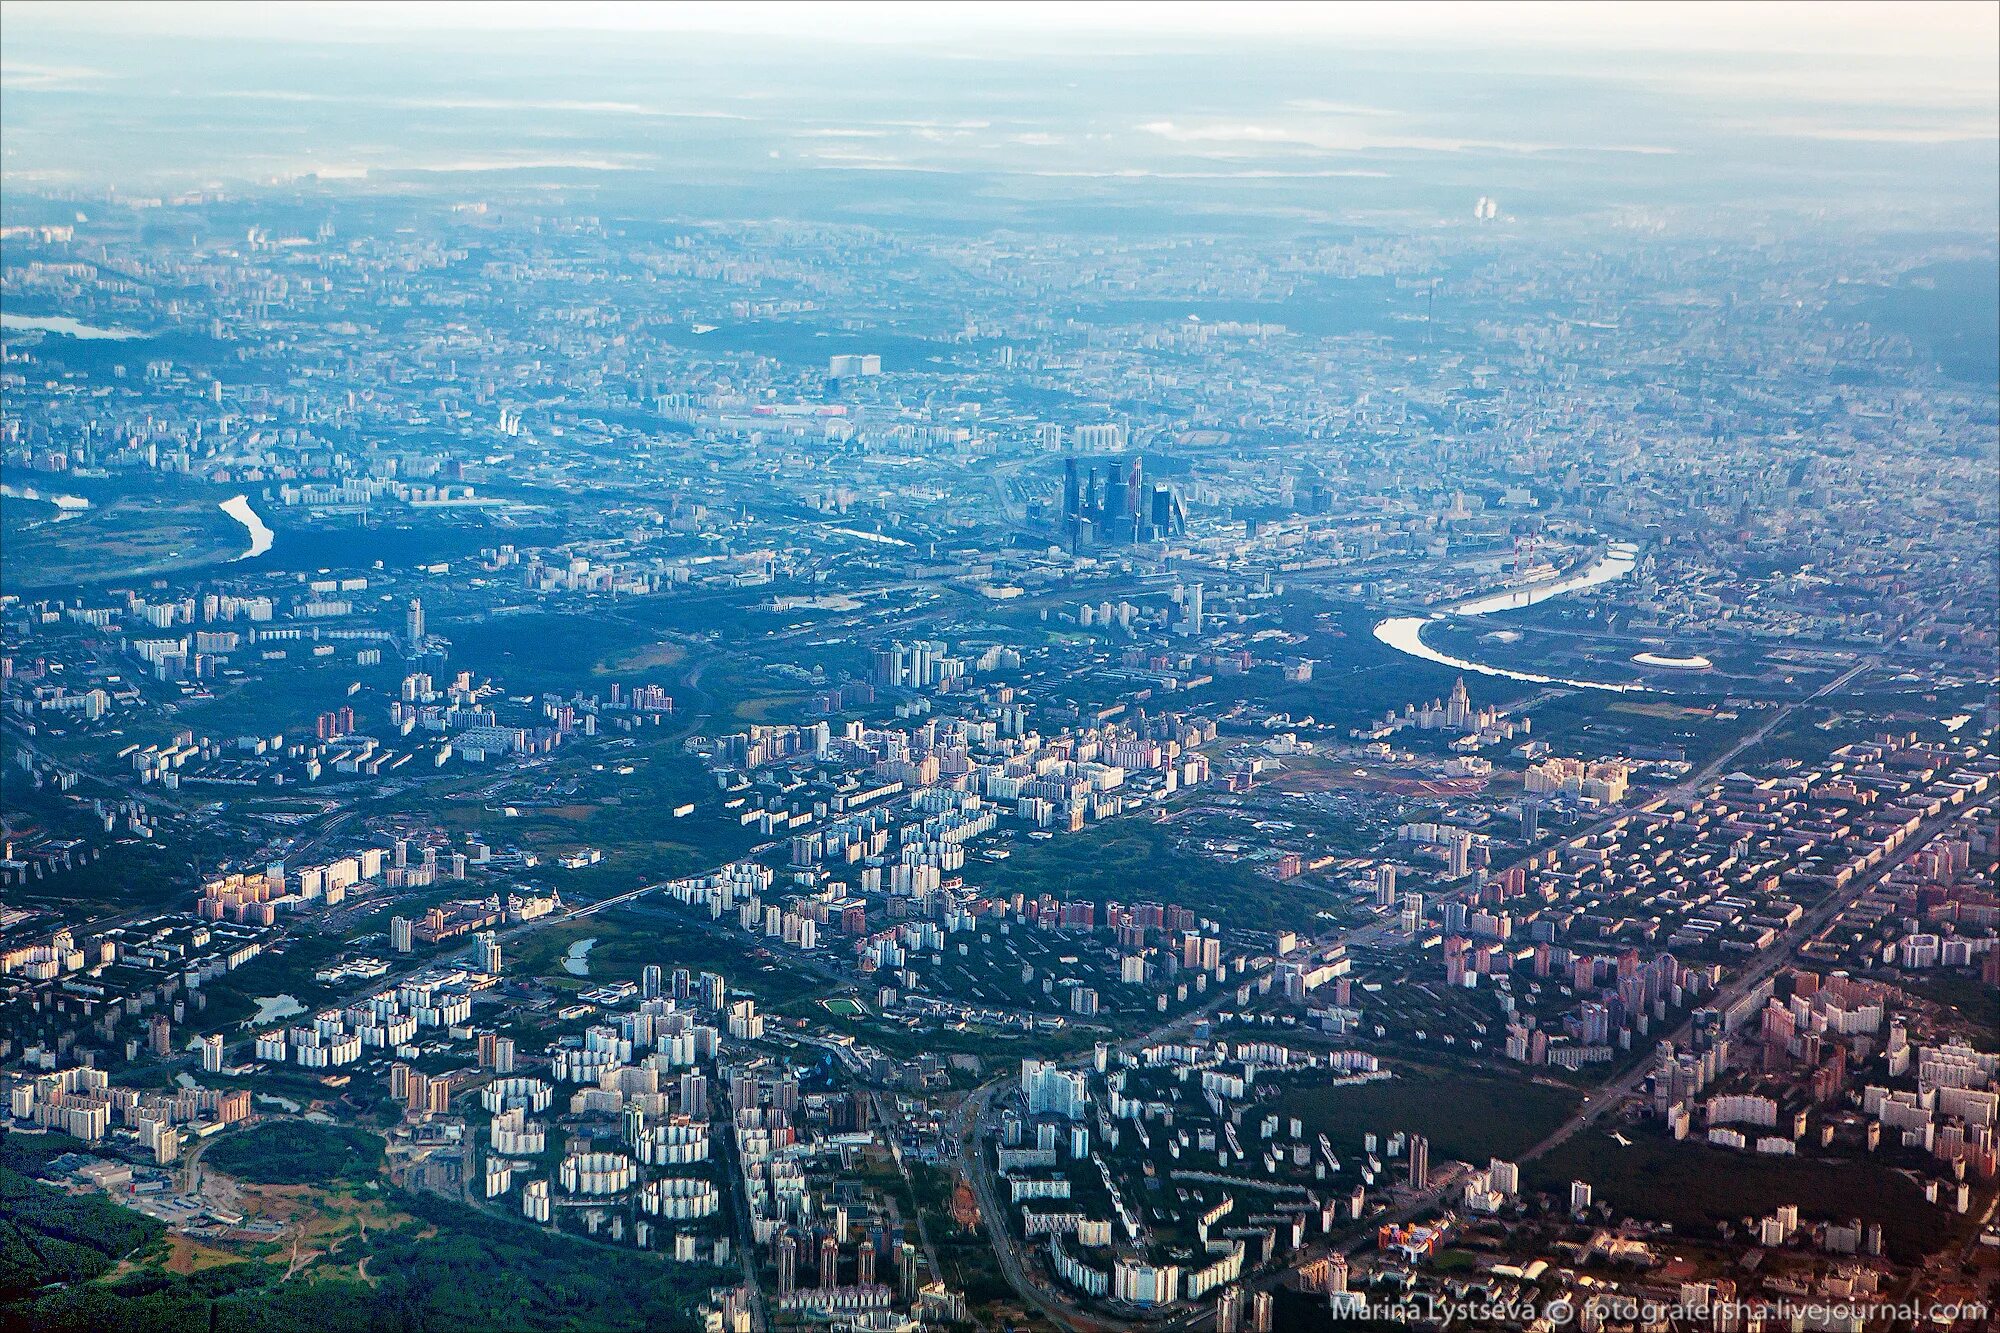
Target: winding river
{"points": [[66, 326], [238, 507], [577, 961], [68, 504], [1406, 633]]}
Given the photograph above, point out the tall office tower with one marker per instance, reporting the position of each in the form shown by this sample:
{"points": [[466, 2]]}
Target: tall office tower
{"points": [[160, 1035], [1191, 611], [829, 1263], [1134, 498], [413, 625], [650, 981], [1072, 501], [788, 1265], [1117, 507], [399, 934], [1420, 1162], [864, 1264]]}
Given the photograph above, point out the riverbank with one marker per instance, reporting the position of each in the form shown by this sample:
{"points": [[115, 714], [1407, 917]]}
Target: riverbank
{"points": [[1406, 633], [68, 504]]}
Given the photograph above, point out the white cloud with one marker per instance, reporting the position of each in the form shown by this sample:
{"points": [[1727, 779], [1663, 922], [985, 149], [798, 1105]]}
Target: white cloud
{"points": [[21, 77], [1356, 140]]}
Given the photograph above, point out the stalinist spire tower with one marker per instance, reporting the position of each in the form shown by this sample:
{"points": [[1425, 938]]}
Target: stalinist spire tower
{"points": [[1458, 708]]}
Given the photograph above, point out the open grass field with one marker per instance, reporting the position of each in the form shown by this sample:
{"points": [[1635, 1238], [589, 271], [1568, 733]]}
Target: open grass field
{"points": [[1133, 860], [618, 799], [651, 657], [1695, 1187], [1465, 1116], [286, 697], [186, 1255], [1584, 722], [628, 938], [121, 537], [1977, 1010], [537, 650]]}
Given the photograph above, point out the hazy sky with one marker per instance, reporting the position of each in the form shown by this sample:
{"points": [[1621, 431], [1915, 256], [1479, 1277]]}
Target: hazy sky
{"points": [[1952, 30], [1559, 106], [1911, 50]]}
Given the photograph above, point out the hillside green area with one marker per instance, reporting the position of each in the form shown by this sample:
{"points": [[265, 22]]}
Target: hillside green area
{"points": [[48, 1235], [297, 1152], [450, 1269]]}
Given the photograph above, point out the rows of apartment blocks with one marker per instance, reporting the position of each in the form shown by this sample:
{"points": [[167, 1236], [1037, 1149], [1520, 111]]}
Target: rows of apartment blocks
{"points": [[1939, 909], [794, 1151], [1724, 870], [1193, 1116], [81, 1101]]}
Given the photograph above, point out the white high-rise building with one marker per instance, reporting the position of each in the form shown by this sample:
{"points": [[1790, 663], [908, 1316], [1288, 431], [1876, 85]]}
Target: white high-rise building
{"points": [[844, 367], [1053, 1091], [1191, 617], [211, 1053]]}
